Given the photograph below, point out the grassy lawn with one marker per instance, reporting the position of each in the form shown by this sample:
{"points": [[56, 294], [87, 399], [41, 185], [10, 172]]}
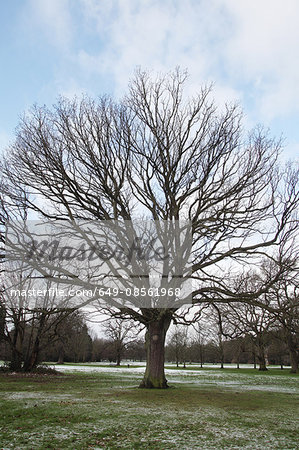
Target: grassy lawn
{"points": [[212, 409]]}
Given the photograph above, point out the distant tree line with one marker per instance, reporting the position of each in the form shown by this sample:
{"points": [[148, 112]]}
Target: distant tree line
{"points": [[28, 338], [37, 337], [237, 351]]}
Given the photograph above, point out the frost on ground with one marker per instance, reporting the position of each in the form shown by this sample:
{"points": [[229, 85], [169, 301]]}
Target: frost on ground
{"points": [[113, 415], [223, 379], [196, 428]]}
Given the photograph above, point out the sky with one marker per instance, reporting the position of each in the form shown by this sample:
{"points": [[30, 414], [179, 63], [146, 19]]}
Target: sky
{"points": [[248, 49]]}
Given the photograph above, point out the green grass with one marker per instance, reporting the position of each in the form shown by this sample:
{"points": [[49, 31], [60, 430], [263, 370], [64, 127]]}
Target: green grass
{"points": [[107, 410], [245, 371]]}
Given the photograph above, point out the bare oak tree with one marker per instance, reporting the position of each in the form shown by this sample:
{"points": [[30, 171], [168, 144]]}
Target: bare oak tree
{"points": [[121, 333], [158, 155]]}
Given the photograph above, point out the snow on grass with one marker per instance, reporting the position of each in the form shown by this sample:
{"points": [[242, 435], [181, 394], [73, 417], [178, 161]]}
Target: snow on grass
{"points": [[104, 412], [97, 369], [24, 395], [261, 382]]}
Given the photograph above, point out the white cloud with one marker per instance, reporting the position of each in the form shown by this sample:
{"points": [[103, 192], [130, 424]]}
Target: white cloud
{"points": [[53, 18], [264, 51], [248, 48], [250, 44], [154, 35]]}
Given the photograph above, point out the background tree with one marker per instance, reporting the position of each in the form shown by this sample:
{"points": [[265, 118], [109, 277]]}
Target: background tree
{"points": [[177, 348], [28, 321], [237, 349], [198, 341], [284, 300], [277, 349], [255, 323], [29, 331], [121, 333], [159, 155], [99, 349], [73, 341], [136, 350], [219, 330]]}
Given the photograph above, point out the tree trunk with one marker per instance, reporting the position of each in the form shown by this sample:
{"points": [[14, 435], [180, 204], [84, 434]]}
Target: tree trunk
{"points": [[239, 351], [254, 359], [293, 351], [154, 376], [61, 354], [201, 357], [262, 364], [262, 359], [294, 362], [221, 355], [16, 345], [31, 362], [15, 364], [293, 357], [220, 346], [118, 357]]}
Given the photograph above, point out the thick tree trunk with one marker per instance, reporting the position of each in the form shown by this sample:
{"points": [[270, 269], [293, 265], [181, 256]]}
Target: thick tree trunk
{"points": [[15, 364], [32, 361], [262, 364], [294, 355], [294, 362], [16, 345], [262, 359], [293, 358], [118, 357], [154, 376]]}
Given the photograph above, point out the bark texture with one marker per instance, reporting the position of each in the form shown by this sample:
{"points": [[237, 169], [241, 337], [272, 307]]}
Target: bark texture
{"points": [[154, 376]]}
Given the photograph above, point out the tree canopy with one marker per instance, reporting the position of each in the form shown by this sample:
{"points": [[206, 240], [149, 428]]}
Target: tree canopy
{"points": [[160, 156]]}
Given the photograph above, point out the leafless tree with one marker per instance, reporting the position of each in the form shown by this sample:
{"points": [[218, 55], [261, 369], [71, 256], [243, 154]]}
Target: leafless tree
{"points": [[72, 338], [200, 339], [220, 332], [121, 333], [159, 155], [284, 300], [255, 322], [28, 322], [287, 315], [178, 344]]}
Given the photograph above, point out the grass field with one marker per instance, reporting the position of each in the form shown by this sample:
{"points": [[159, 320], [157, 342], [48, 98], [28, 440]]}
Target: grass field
{"points": [[102, 407]]}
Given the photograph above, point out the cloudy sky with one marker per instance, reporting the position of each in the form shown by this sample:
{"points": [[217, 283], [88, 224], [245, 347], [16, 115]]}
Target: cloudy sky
{"points": [[248, 48]]}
